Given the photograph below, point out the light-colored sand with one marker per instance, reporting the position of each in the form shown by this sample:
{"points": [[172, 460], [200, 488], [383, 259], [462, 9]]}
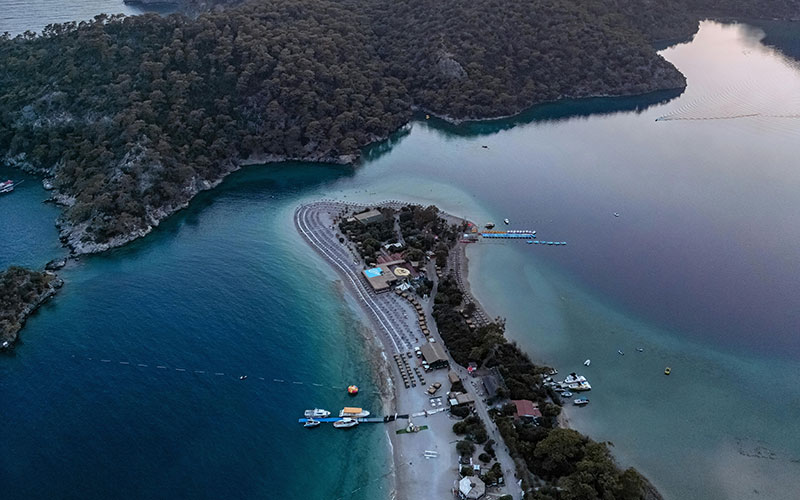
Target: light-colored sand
{"points": [[393, 322]]}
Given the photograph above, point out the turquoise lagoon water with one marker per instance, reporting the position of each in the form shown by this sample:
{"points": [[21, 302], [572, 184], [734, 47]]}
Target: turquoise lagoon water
{"points": [[700, 270]]}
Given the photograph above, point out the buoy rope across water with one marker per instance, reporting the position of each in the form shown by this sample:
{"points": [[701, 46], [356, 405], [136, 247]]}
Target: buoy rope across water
{"points": [[238, 375]]}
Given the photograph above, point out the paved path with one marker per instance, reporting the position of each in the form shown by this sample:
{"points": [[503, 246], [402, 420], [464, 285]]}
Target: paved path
{"points": [[395, 318]]}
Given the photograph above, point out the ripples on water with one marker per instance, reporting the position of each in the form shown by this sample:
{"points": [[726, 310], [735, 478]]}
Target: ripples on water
{"points": [[773, 93]]}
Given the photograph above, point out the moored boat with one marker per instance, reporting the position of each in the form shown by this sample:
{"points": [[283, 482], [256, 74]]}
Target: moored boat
{"points": [[489, 225], [566, 394], [573, 378], [351, 412], [581, 402], [311, 423], [345, 423], [667, 370], [317, 413], [580, 386], [506, 222], [7, 186]]}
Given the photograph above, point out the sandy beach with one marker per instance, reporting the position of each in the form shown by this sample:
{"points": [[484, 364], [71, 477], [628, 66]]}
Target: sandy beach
{"points": [[425, 462]]}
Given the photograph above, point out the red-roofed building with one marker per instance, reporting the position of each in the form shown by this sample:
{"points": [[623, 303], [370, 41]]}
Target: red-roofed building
{"points": [[526, 409]]}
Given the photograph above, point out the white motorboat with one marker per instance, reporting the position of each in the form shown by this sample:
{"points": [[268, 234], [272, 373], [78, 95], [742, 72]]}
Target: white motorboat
{"points": [[311, 423], [317, 413], [353, 412], [345, 423], [574, 378]]}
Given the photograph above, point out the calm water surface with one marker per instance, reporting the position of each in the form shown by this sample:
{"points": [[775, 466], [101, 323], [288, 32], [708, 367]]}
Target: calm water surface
{"points": [[700, 270], [18, 16]]}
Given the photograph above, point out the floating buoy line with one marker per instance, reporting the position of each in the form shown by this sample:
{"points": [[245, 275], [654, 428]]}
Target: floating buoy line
{"points": [[238, 376]]}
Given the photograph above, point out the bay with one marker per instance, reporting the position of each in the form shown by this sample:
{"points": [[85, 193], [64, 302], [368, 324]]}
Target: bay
{"points": [[699, 270]]}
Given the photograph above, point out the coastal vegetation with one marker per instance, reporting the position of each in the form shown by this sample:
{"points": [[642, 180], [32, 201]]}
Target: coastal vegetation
{"points": [[554, 463], [564, 463], [129, 118], [21, 292], [421, 228]]}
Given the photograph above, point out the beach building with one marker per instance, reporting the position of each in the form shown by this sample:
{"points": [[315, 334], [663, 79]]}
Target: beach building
{"points": [[460, 399], [380, 278], [493, 382], [526, 409], [471, 488], [369, 217], [434, 355]]}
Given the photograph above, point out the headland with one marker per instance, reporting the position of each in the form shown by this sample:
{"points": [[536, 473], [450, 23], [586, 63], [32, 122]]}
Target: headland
{"points": [[466, 412]]}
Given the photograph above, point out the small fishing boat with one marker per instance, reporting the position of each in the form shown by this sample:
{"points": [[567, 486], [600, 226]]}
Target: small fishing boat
{"points": [[587, 362], [243, 377], [345, 423], [353, 389], [639, 349], [581, 402], [506, 222], [621, 353], [489, 225], [566, 394], [667, 370], [311, 424], [616, 214], [7, 186]]}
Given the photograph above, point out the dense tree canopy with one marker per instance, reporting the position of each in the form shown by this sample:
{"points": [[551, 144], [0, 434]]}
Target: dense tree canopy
{"points": [[131, 117], [21, 290]]}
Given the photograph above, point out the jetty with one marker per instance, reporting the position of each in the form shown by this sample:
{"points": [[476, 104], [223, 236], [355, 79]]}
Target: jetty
{"points": [[362, 420], [516, 234]]}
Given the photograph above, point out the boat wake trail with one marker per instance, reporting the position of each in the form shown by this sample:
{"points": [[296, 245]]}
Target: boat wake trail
{"points": [[748, 99]]}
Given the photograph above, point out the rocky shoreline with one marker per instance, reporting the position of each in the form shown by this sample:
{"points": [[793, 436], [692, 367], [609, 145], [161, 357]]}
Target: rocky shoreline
{"points": [[78, 239], [22, 292]]}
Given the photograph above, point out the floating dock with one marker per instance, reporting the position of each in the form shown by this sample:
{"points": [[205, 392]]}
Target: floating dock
{"points": [[363, 420], [525, 235]]}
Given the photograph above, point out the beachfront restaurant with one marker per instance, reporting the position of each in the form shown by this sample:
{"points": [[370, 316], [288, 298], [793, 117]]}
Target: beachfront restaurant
{"points": [[380, 278], [369, 216], [526, 410], [434, 355], [471, 488], [460, 399]]}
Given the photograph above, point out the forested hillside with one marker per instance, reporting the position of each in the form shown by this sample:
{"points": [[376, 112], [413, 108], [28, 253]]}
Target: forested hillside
{"points": [[21, 292], [130, 117]]}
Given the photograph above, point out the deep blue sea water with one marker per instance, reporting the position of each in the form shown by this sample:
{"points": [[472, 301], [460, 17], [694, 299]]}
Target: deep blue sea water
{"points": [[700, 269]]}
